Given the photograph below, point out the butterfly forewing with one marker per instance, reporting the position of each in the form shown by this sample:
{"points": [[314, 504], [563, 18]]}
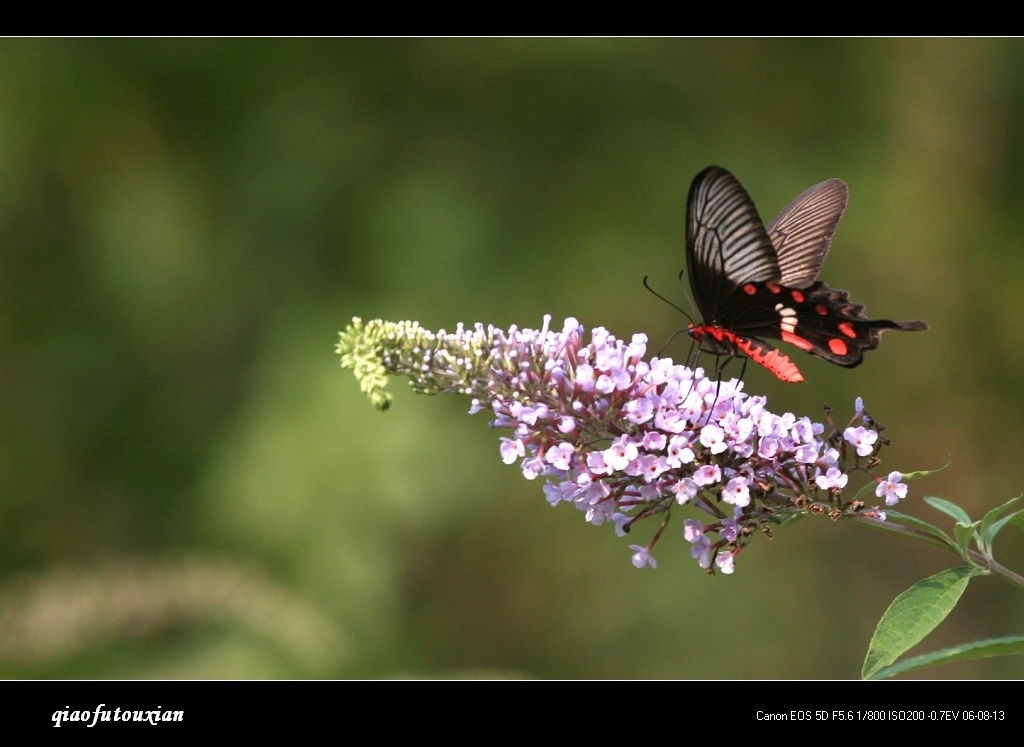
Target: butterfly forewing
{"points": [[726, 243], [802, 232]]}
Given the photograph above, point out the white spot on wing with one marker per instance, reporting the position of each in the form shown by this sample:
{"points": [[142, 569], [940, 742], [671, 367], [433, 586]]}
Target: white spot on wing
{"points": [[787, 318]]}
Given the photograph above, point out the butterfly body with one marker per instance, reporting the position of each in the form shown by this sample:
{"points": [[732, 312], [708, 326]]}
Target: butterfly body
{"points": [[751, 282]]}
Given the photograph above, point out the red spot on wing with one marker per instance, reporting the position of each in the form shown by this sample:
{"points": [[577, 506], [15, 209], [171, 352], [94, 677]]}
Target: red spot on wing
{"points": [[847, 329], [750, 289], [795, 340], [797, 296], [821, 310], [838, 347]]}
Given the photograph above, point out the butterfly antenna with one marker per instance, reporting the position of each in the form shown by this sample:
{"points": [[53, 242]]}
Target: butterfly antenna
{"points": [[674, 306], [648, 287]]}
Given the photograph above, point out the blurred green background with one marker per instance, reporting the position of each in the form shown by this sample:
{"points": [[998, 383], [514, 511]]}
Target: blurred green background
{"points": [[192, 488]]}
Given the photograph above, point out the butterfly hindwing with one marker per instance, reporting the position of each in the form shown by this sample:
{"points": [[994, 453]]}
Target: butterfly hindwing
{"points": [[821, 320]]}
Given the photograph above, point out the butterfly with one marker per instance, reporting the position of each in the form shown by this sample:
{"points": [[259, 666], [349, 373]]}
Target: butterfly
{"points": [[752, 282]]}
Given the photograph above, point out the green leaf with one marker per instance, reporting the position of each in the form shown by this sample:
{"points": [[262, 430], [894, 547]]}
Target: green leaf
{"points": [[966, 652], [994, 513], [991, 522], [924, 526], [965, 534], [926, 472], [948, 508], [912, 615], [996, 528]]}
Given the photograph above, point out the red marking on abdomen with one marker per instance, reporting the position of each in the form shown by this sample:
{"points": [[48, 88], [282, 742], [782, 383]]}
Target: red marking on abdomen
{"points": [[759, 352], [707, 330], [773, 360]]}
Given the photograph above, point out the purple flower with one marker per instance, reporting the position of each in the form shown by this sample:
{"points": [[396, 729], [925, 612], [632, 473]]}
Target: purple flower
{"points": [[566, 424], [621, 453], [684, 490], [511, 450], [654, 441], [892, 489], [713, 437], [736, 492], [730, 529], [862, 438], [701, 551], [559, 455], [624, 439], [768, 447], [726, 562], [833, 479], [679, 451], [643, 557]]}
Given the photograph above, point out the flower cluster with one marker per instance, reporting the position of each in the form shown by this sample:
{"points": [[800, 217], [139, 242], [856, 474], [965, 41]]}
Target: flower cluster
{"points": [[624, 439]]}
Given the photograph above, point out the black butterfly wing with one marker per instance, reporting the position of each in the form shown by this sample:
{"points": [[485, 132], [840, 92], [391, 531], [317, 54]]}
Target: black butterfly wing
{"points": [[826, 323], [726, 244], [802, 232]]}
